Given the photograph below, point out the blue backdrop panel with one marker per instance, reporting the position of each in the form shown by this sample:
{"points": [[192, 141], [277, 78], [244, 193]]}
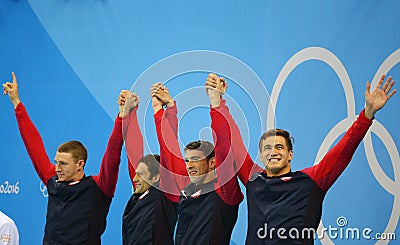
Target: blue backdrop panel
{"points": [[312, 58]]}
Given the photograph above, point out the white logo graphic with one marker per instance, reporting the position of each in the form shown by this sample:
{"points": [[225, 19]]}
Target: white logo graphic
{"points": [[5, 238], [7, 188], [43, 189], [341, 221], [334, 233], [317, 53]]}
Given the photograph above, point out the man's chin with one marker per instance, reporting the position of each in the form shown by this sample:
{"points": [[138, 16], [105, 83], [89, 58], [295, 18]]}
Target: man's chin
{"points": [[195, 179], [273, 169]]}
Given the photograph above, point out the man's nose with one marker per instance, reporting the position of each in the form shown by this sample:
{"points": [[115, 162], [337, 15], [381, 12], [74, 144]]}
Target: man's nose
{"points": [[273, 152], [189, 164]]}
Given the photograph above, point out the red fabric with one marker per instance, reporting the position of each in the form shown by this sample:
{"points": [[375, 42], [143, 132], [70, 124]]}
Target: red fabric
{"points": [[326, 172], [135, 150], [229, 189], [242, 160], [108, 176], [133, 142], [172, 158], [34, 145], [172, 162]]}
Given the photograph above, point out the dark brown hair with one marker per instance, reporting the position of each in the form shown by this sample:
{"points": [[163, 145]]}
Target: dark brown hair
{"points": [[152, 161], [277, 132], [204, 146]]}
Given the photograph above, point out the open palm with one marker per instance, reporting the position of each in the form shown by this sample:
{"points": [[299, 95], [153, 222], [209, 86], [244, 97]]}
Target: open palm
{"points": [[376, 99]]}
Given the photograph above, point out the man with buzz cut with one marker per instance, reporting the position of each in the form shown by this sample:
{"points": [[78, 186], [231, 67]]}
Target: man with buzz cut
{"points": [[283, 206], [210, 193], [77, 204]]}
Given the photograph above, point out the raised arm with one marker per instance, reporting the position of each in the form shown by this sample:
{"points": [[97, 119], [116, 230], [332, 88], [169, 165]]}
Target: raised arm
{"points": [[131, 131], [243, 162], [30, 135], [337, 159], [108, 176], [229, 189], [162, 98], [166, 127]]}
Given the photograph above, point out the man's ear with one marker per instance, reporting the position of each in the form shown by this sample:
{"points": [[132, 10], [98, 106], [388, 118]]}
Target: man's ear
{"points": [[81, 163], [211, 163], [290, 155], [156, 178]]}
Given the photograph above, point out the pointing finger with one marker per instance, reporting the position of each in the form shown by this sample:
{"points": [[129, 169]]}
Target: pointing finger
{"points": [[14, 77]]}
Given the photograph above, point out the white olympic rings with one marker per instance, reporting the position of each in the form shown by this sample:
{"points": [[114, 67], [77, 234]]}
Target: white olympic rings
{"points": [[43, 189]]}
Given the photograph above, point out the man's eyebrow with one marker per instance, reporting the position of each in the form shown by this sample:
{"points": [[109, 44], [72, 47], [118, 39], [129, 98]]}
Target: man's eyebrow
{"points": [[279, 144]]}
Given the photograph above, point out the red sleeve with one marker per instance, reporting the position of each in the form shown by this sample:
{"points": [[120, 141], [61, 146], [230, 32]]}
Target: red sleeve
{"points": [[108, 176], [243, 162], [229, 189], [132, 171], [173, 168], [34, 145], [171, 113], [336, 160], [133, 142]]}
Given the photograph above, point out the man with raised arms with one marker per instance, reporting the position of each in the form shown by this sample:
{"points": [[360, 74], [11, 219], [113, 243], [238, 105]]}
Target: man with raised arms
{"points": [[77, 204], [210, 196], [284, 206]]}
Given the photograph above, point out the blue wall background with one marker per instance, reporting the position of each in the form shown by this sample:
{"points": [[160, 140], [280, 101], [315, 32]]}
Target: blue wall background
{"points": [[73, 57]]}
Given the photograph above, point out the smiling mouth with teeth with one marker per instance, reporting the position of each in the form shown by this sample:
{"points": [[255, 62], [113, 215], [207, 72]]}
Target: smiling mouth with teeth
{"points": [[273, 160]]}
